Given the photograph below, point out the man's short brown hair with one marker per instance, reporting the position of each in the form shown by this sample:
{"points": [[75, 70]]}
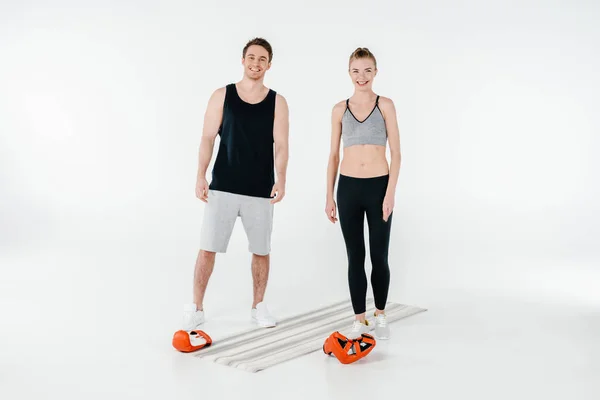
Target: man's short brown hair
{"points": [[259, 42]]}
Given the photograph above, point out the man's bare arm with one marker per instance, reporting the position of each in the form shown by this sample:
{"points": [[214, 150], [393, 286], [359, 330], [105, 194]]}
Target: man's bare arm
{"points": [[212, 122], [280, 135]]}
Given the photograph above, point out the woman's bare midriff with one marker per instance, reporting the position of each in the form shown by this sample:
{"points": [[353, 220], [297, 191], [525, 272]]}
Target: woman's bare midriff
{"points": [[364, 161]]}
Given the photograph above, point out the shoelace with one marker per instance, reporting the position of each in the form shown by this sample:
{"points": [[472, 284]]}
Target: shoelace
{"points": [[356, 325], [381, 320]]}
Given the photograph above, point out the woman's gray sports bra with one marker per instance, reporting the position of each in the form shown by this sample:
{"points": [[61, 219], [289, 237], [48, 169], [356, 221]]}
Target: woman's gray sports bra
{"points": [[370, 131]]}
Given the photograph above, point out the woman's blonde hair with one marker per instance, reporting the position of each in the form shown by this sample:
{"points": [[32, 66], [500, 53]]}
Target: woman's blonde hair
{"points": [[362, 52]]}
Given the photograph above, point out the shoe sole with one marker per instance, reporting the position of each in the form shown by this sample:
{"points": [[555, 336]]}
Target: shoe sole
{"points": [[263, 325], [188, 329], [192, 327], [386, 337]]}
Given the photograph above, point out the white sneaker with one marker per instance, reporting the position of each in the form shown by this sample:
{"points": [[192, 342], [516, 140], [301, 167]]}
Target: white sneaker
{"points": [[358, 328], [382, 329], [262, 316], [192, 318]]}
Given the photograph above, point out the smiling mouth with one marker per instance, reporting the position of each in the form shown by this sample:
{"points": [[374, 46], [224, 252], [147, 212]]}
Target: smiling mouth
{"points": [[362, 83], [254, 69]]}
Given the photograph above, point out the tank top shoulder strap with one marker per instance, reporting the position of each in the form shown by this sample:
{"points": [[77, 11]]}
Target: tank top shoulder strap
{"points": [[229, 93], [272, 96], [269, 101]]}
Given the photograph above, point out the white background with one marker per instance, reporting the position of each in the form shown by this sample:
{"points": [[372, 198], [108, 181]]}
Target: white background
{"points": [[101, 110]]}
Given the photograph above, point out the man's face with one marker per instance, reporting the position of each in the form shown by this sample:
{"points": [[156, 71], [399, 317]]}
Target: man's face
{"points": [[256, 62]]}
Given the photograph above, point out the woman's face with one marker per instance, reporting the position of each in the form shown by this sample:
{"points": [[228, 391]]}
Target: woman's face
{"points": [[362, 72]]}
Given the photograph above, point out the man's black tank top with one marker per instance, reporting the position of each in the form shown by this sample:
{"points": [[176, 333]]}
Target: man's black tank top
{"points": [[245, 162]]}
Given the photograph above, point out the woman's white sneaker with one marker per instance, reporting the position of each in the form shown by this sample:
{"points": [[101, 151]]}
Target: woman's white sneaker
{"points": [[358, 328], [382, 329]]}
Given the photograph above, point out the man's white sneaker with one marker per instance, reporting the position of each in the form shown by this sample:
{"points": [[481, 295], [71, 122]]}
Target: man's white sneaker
{"points": [[382, 329], [262, 317], [358, 328], [192, 318]]}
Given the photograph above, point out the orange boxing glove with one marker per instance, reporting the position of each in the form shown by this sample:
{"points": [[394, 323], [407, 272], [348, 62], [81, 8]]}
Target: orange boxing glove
{"points": [[188, 342]]}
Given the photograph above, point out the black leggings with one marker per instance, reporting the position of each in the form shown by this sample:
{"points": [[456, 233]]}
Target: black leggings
{"points": [[355, 198]]}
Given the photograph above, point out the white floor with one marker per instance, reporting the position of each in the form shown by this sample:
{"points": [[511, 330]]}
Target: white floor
{"points": [[95, 322]]}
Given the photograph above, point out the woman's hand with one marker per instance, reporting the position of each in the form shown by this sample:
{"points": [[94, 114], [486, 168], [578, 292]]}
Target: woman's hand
{"points": [[388, 206], [330, 210]]}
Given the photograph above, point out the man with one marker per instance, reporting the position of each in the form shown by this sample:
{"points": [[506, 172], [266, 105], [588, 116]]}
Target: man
{"points": [[250, 118]]}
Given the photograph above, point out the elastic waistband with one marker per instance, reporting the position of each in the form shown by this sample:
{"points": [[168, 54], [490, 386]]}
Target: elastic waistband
{"points": [[369, 179]]}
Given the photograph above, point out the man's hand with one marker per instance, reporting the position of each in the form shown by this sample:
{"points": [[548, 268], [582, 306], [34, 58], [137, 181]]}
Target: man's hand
{"points": [[278, 191], [202, 189], [388, 206], [330, 210]]}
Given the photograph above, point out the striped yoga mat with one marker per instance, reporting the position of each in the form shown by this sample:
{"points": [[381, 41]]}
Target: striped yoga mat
{"points": [[261, 348]]}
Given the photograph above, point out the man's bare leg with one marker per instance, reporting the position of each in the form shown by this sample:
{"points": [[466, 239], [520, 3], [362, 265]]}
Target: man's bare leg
{"points": [[260, 276], [202, 272]]}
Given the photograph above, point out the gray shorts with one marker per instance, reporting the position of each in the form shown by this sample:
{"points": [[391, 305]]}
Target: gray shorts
{"points": [[220, 215]]}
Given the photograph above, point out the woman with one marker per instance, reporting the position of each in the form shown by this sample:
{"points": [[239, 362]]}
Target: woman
{"points": [[365, 124]]}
